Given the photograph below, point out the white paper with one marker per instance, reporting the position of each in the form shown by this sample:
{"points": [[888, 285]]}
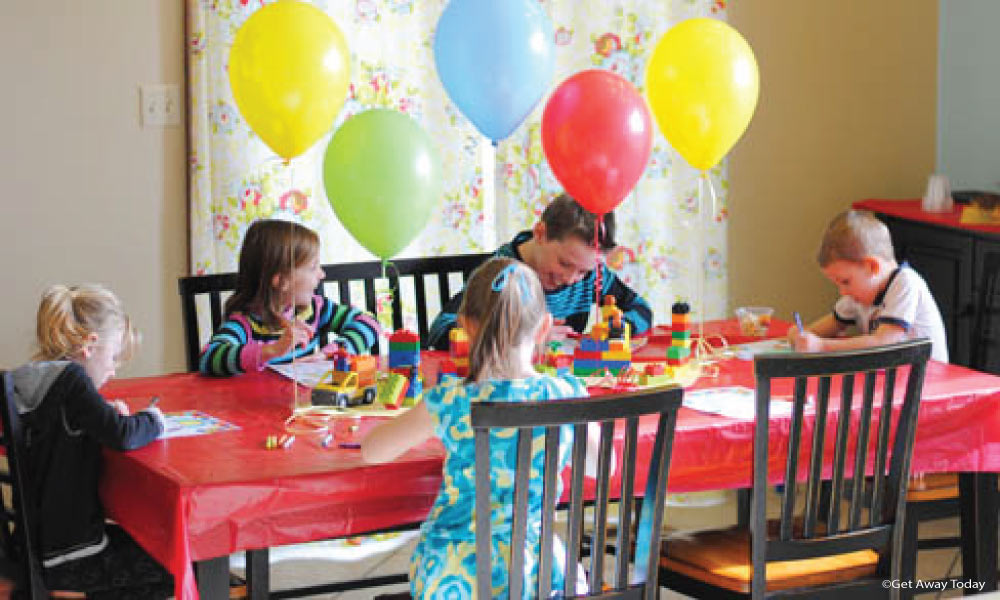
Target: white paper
{"points": [[735, 402], [750, 349], [307, 373], [193, 422]]}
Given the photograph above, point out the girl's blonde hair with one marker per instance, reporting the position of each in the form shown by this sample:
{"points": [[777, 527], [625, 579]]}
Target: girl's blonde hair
{"points": [[270, 247], [68, 315], [505, 299]]}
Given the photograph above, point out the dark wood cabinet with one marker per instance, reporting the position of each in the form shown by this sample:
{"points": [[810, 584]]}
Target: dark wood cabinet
{"points": [[956, 262]]}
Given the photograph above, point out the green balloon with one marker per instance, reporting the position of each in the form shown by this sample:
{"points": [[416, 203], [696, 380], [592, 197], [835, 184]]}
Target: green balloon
{"points": [[382, 177]]}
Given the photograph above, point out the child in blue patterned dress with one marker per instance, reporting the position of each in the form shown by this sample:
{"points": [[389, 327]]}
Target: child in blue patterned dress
{"points": [[504, 313], [274, 313]]}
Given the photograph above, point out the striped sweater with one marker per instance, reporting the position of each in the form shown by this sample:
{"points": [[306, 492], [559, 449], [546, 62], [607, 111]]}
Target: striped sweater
{"points": [[571, 303], [236, 346]]}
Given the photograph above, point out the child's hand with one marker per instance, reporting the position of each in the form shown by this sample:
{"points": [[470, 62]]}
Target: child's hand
{"points": [[157, 416], [296, 334], [804, 341], [559, 331], [120, 406]]}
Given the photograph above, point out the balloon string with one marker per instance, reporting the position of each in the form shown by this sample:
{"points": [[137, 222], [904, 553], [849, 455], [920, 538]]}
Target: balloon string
{"points": [[699, 264], [597, 260], [291, 270], [711, 190], [385, 309]]}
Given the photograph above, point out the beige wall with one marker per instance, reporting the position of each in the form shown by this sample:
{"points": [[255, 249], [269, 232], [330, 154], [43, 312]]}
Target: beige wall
{"points": [[846, 112], [89, 195]]}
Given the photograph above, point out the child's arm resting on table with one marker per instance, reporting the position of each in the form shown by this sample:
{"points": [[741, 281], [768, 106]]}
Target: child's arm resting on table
{"points": [[394, 437]]}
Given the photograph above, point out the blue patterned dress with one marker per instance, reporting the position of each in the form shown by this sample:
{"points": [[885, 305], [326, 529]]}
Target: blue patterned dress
{"points": [[444, 562]]}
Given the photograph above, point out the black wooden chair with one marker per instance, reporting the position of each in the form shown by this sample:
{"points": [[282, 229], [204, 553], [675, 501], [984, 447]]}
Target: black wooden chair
{"points": [[18, 532], [853, 553], [637, 541], [409, 275]]}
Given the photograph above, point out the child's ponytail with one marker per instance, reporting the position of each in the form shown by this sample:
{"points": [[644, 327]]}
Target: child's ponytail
{"points": [[505, 299], [67, 316]]}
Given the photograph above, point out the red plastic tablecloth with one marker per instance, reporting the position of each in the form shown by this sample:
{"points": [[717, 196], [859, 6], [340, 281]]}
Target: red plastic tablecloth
{"points": [[910, 209], [201, 497]]}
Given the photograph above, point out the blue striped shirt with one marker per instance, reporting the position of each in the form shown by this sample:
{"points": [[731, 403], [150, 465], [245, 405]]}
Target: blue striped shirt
{"points": [[236, 346], [571, 303]]}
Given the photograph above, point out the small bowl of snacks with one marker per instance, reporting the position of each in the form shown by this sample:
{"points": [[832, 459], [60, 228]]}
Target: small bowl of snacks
{"points": [[754, 320]]}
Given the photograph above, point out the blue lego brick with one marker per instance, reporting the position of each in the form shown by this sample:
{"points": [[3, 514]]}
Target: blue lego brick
{"points": [[403, 359], [591, 345]]}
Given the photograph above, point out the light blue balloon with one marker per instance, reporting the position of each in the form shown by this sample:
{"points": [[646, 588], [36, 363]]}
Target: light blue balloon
{"points": [[496, 59]]}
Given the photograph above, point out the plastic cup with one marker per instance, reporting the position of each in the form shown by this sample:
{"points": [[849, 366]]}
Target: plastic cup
{"points": [[754, 320]]}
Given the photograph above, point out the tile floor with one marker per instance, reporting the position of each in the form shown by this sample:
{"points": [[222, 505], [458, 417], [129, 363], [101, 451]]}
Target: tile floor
{"points": [[293, 572]]}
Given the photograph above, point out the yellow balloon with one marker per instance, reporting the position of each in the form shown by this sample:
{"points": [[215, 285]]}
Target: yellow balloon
{"points": [[702, 84], [289, 69]]}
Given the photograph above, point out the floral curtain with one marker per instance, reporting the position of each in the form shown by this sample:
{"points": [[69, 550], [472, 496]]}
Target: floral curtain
{"points": [[488, 194]]}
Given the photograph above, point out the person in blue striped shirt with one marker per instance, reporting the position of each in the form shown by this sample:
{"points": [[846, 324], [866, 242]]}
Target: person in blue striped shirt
{"points": [[560, 249]]}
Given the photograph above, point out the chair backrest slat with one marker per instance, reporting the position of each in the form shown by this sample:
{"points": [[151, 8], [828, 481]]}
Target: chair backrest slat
{"points": [[520, 520], [601, 505], [813, 485], [484, 552], [882, 446], [627, 503], [861, 450], [574, 533], [661, 405], [840, 450], [882, 531], [215, 301], [405, 271], [792, 466], [420, 297], [550, 486], [397, 302]]}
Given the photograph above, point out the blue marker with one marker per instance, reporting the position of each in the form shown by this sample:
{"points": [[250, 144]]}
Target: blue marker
{"points": [[798, 322]]}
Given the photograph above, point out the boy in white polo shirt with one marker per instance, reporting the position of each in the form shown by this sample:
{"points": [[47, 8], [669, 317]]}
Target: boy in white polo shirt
{"points": [[885, 301]]}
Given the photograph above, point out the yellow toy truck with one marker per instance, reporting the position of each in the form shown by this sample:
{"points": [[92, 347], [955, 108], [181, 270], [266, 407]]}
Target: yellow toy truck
{"points": [[340, 389]]}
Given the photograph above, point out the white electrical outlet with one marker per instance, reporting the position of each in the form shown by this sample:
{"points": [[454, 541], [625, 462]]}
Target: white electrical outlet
{"points": [[160, 105]]}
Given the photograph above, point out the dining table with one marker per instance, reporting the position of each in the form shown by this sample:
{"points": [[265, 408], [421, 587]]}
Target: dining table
{"points": [[195, 500]]}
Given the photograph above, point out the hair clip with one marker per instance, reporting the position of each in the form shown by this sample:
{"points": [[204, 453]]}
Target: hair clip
{"points": [[500, 282]]}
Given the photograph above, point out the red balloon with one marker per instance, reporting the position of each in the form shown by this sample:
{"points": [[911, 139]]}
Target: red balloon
{"points": [[597, 135]]}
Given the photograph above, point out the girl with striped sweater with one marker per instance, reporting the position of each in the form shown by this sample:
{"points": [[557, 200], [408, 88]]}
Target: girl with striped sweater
{"points": [[274, 313]]}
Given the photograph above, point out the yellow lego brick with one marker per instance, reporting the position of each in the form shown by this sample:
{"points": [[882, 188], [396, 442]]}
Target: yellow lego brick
{"points": [[460, 361], [654, 380], [608, 355], [680, 343], [457, 335]]}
